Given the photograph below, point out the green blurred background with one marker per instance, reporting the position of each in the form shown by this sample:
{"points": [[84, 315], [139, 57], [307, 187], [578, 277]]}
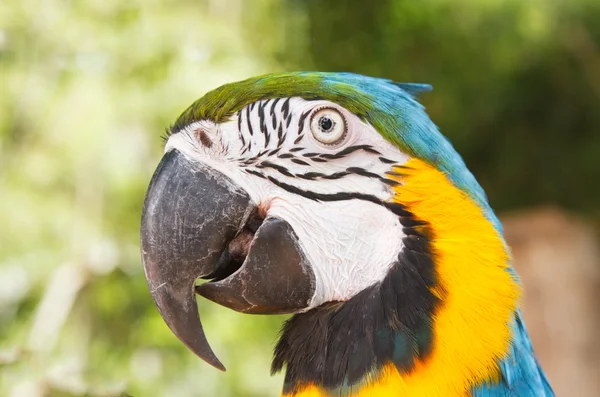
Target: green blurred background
{"points": [[88, 87]]}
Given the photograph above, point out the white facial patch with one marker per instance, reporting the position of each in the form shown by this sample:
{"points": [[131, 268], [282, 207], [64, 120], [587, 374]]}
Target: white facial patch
{"points": [[330, 194]]}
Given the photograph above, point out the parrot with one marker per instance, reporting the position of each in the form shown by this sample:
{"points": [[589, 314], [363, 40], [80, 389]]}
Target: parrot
{"points": [[334, 198]]}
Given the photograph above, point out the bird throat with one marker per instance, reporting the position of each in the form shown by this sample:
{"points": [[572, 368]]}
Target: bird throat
{"points": [[340, 346], [438, 324]]}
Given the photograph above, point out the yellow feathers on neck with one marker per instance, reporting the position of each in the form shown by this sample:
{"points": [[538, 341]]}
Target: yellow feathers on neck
{"points": [[479, 296]]}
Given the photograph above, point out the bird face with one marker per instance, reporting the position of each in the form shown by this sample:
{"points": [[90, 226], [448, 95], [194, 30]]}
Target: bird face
{"points": [[282, 207], [319, 169]]}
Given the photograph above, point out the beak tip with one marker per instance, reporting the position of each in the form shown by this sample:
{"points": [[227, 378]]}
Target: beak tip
{"points": [[212, 360], [220, 367]]}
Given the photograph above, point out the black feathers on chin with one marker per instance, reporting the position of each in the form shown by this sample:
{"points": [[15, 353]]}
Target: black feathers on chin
{"points": [[340, 344]]}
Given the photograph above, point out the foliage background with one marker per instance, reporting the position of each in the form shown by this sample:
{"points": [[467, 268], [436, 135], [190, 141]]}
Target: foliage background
{"points": [[87, 88]]}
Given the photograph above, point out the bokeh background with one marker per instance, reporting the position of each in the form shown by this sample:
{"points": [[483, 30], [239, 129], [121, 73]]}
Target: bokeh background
{"points": [[88, 87]]}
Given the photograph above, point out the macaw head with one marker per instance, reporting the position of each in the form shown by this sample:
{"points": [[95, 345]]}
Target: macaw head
{"points": [[334, 197]]}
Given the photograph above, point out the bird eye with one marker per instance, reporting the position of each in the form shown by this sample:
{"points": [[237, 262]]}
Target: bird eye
{"points": [[328, 126]]}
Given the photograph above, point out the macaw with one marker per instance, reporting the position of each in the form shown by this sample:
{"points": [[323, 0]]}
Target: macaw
{"points": [[334, 197]]}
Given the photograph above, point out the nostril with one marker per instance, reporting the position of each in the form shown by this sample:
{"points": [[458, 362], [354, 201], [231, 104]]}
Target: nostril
{"points": [[202, 137]]}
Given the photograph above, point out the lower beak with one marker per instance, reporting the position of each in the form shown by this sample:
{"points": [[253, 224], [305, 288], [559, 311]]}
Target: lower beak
{"points": [[195, 224]]}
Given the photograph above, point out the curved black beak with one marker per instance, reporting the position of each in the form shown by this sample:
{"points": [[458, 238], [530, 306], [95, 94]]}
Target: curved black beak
{"points": [[193, 220], [190, 214]]}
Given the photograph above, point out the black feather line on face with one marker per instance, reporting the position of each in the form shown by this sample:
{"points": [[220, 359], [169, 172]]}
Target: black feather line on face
{"points": [[240, 132], [368, 174], [300, 162], [273, 108], [256, 173], [386, 160], [274, 151], [301, 123], [285, 108], [280, 139], [339, 344], [332, 156], [274, 116], [248, 122], [318, 175], [352, 149], [281, 169], [325, 196], [263, 125]]}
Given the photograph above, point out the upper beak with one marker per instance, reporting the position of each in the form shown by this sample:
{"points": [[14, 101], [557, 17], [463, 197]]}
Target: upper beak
{"points": [[192, 218]]}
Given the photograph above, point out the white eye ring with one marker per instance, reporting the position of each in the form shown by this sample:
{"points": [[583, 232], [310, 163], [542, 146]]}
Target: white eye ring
{"points": [[328, 126]]}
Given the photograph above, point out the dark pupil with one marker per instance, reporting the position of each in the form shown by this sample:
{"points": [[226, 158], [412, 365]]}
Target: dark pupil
{"points": [[326, 124]]}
